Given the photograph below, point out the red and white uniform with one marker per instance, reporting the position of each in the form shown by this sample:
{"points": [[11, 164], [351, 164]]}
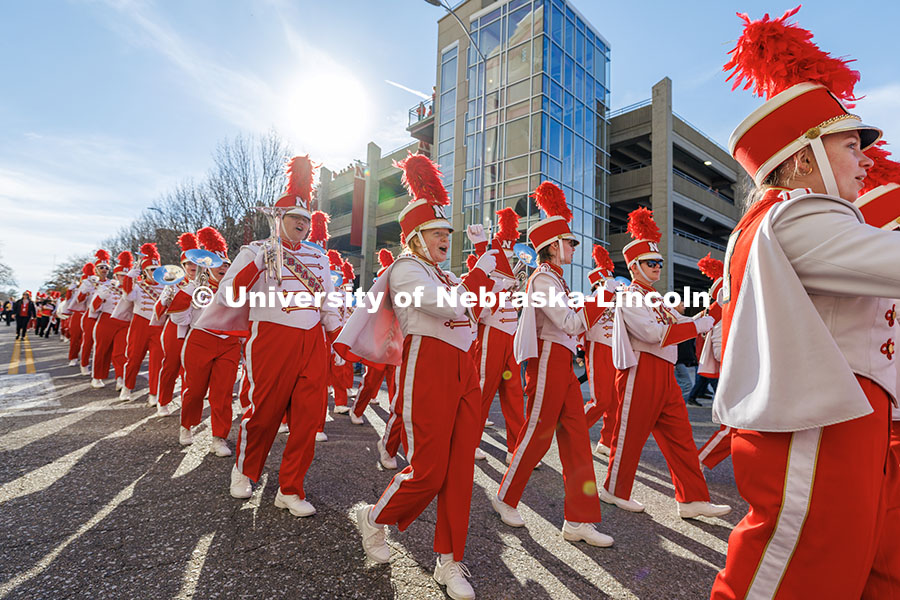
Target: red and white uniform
{"points": [[286, 357], [371, 383], [109, 332], [340, 377], [547, 339], [811, 412], [86, 292], [601, 375], [75, 307], [718, 447], [172, 340], [645, 349], [498, 369], [142, 336]]}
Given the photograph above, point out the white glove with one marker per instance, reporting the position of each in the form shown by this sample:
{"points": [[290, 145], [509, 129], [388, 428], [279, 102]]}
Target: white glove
{"points": [[487, 262], [260, 259], [134, 273], [338, 361], [611, 285], [475, 233], [704, 324]]}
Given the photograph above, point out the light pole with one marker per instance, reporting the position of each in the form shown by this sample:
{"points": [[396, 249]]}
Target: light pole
{"points": [[480, 216]]}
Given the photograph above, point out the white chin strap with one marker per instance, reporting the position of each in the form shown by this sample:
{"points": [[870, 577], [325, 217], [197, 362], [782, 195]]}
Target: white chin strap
{"points": [[424, 247], [818, 148], [640, 269]]}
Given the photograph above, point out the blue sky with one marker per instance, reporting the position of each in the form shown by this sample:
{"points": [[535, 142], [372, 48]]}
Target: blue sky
{"points": [[107, 104]]}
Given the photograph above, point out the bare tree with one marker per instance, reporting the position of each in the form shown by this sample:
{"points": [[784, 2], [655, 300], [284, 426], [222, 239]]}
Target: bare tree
{"points": [[66, 272]]}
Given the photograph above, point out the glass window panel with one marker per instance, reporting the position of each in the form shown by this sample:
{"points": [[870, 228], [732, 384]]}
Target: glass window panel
{"points": [[491, 119], [519, 26], [518, 110], [493, 101], [518, 62], [516, 137], [469, 181], [570, 37], [588, 168], [556, 111], [567, 157], [577, 164], [539, 17], [568, 109], [579, 117], [493, 74], [448, 75], [555, 169], [536, 162], [589, 57], [475, 81], [599, 67], [517, 3], [588, 88], [556, 62], [518, 92], [446, 132], [470, 150], [470, 126], [556, 25], [516, 186], [588, 123], [556, 93], [539, 57], [491, 149], [589, 35], [579, 82], [536, 85], [468, 198], [535, 133], [536, 101], [492, 174], [490, 36], [445, 147], [517, 167], [579, 46], [448, 105], [569, 69], [555, 140]]}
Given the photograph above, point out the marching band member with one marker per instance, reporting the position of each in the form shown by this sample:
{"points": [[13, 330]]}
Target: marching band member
{"points": [[75, 309], [438, 391], [112, 325], [546, 338], [286, 354], [645, 339], [171, 341], [811, 412], [89, 318], [141, 289], [209, 354], [341, 370], [598, 355]]}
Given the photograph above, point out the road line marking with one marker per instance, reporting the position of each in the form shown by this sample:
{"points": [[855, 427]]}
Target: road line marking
{"points": [[29, 357], [14, 361]]}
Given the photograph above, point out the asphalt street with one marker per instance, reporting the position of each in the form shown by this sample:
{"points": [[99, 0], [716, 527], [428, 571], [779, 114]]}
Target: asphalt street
{"points": [[98, 500]]}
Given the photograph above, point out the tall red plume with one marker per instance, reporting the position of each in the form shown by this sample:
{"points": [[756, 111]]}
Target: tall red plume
{"points": [[772, 55], [318, 229], [126, 260], [385, 257], [347, 272], [507, 225], [883, 171], [102, 256], [711, 267], [334, 260], [88, 269], [149, 250], [423, 179], [470, 261], [641, 225], [212, 240], [550, 199], [602, 259], [187, 241], [300, 177]]}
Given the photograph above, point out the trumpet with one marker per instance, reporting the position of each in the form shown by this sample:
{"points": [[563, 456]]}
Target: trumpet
{"points": [[273, 248]]}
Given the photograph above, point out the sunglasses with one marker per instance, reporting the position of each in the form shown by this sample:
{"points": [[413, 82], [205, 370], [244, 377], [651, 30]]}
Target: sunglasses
{"points": [[653, 263]]}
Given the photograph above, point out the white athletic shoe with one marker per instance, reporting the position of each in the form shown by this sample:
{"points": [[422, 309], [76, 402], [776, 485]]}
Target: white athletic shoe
{"points": [[576, 532], [85, 370], [387, 461], [73, 362], [292, 502], [488, 423], [479, 454], [240, 484], [125, 394], [373, 542], [356, 420], [185, 437], [219, 447], [508, 457], [601, 449], [283, 428], [151, 400], [321, 437], [508, 514], [629, 505], [120, 383], [692, 510], [341, 410], [97, 384], [164, 410], [453, 574]]}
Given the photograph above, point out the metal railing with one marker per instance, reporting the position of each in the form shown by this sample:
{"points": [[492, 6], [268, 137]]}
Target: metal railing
{"points": [[703, 186], [630, 107], [629, 167], [698, 239], [700, 131], [421, 111]]}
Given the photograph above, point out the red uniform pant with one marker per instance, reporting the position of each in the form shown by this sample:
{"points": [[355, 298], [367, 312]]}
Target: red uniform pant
{"points": [[499, 371], [817, 505], [87, 338], [141, 339], [171, 364], [109, 346], [717, 448], [441, 411], [650, 401], [74, 333], [285, 368], [394, 427], [602, 381], [340, 379], [884, 580], [371, 384], [555, 404], [210, 362]]}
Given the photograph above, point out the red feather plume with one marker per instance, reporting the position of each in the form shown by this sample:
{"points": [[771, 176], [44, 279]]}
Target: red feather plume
{"points": [[126, 260], [385, 257], [88, 269], [334, 260], [602, 258], [149, 250], [550, 199], [347, 272], [423, 179], [641, 225], [711, 267], [470, 261], [507, 225], [102, 256], [883, 171], [318, 229], [187, 241], [300, 177], [772, 55], [212, 240]]}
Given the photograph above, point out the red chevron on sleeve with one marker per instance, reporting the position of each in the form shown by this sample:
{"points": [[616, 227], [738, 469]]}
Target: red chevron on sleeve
{"points": [[678, 333]]}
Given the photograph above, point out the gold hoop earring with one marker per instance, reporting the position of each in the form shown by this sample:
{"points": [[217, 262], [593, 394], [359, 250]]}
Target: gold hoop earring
{"points": [[808, 171]]}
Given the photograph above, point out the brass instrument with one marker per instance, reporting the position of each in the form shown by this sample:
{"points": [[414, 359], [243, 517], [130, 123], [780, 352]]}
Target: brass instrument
{"points": [[273, 248]]}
